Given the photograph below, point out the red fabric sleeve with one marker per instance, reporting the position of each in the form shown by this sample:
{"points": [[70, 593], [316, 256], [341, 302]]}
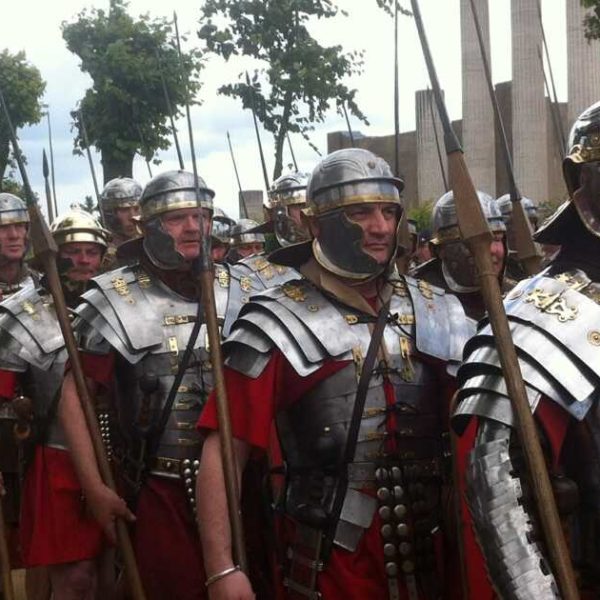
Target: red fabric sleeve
{"points": [[8, 384], [253, 403]]}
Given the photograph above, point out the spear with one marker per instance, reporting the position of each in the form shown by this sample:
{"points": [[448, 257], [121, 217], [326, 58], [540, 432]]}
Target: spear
{"points": [[45, 251], [526, 249], [260, 148], [437, 140], [86, 141], [45, 170], [237, 176], [141, 136], [169, 110], [477, 236], [348, 124], [7, 582], [52, 162], [287, 135], [206, 281], [558, 131]]}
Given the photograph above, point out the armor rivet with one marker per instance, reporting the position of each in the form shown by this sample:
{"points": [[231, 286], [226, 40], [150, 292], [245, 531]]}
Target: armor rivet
{"points": [[383, 494], [400, 511], [196, 464], [389, 550], [385, 512], [190, 492], [168, 465], [402, 529], [387, 531], [408, 566], [594, 338], [391, 569], [396, 474], [187, 472], [382, 474], [398, 492], [326, 429], [188, 481], [312, 308], [404, 548], [187, 462]]}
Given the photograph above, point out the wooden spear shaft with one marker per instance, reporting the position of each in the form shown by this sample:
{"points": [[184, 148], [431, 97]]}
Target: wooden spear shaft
{"points": [[45, 250], [7, 582], [477, 236]]}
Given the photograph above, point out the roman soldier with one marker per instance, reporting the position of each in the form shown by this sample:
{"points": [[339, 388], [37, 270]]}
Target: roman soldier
{"points": [[349, 365], [553, 317], [453, 268], [135, 324], [119, 207], [244, 241], [55, 530], [220, 235]]}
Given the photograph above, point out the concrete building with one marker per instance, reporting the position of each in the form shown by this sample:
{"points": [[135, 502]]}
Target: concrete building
{"points": [[253, 202], [477, 108]]}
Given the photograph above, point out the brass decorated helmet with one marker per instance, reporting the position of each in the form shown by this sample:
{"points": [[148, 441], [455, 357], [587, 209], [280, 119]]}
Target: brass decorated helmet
{"points": [[288, 190], [344, 178], [241, 233], [79, 226], [221, 226], [121, 192], [172, 190], [12, 209]]}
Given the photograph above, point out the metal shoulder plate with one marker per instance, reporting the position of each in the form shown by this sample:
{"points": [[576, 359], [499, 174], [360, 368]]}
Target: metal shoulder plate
{"points": [[442, 328], [136, 314], [297, 319], [30, 333], [552, 324]]}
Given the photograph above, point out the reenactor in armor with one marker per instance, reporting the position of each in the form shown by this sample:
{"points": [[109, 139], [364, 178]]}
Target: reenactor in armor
{"points": [[14, 225], [119, 207], [553, 318], [135, 324], [514, 268], [244, 242], [350, 365], [220, 235], [453, 268], [55, 530]]}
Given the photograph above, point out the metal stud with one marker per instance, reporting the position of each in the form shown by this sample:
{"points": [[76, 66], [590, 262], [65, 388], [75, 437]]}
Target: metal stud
{"points": [[400, 511], [402, 529], [389, 550], [385, 512], [408, 566], [396, 474], [391, 569], [382, 475], [405, 548], [387, 531], [398, 492], [383, 494]]}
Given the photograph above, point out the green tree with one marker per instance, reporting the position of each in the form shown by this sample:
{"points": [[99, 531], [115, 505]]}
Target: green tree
{"points": [[126, 103], [22, 86], [388, 6], [591, 21], [297, 79], [90, 205]]}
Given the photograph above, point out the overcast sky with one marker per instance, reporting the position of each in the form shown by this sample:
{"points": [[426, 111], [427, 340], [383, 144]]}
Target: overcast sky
{"points": [[34, 26]]}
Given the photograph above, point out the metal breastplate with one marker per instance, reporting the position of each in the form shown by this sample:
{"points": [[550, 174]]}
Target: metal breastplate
{"points": [[406, 435]]}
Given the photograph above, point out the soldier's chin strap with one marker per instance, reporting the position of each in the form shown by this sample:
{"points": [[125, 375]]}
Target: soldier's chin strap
{"points": [[357, 413]]}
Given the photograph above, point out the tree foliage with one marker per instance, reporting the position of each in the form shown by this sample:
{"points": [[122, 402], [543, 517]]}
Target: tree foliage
{"points": [[126, 103], [388, 6], [591, 21], [297, 79], [22, 87]]}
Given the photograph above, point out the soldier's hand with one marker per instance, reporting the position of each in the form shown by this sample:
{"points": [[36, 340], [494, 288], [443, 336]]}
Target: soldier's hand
{"points": [[232, 587], [106, 507]]}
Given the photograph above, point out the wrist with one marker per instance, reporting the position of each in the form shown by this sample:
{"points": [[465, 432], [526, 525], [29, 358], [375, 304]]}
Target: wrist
{"points": [[221, 574]]}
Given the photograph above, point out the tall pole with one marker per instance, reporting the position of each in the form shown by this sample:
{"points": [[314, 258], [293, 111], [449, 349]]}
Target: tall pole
{"points": [[396, 97], [169, 110], [287, 135], [7, 582], [206, 281], [88, 152], [45, 250], [46, 173], [260, 148], [476, 234], [348, 124], [526, 249], [237, 176], [52, 163], [142, 142], [437, 140]]}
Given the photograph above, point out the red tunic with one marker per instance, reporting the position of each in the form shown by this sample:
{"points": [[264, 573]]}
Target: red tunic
{"points": [[253, 406]]}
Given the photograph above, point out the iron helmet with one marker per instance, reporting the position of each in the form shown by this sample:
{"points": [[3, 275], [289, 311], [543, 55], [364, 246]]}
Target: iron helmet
{"points": [[505, 205], [12, 209], [458, 265], [172, 190], [344, 178], [288, 190], [78, 225], [221, 226], [241, 233], [121, 192]]}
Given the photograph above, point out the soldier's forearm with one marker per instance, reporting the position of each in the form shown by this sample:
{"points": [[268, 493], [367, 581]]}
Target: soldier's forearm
{"points": [[78, 438], [213, 518]]}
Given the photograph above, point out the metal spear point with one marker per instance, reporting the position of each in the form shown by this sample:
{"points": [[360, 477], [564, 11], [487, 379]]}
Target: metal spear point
{"points": [[46, 172], [45, 250], [237, 176], [477, 236]]}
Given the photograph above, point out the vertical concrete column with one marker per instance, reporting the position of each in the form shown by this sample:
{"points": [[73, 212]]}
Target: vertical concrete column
{"points": [[429, 176], [530, 136], [254, 203], [583, 63], [478, 132]]}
